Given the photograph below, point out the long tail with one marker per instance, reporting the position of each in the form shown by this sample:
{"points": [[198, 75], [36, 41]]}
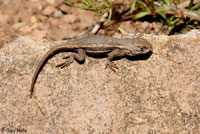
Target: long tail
{"points": [[42, 62]]}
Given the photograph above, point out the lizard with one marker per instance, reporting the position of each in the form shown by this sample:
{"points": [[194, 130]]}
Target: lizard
{"points": [[94, 45]]}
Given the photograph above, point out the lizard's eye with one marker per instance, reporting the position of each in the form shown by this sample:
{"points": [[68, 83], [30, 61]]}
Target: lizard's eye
{"points": [[141, 49]]}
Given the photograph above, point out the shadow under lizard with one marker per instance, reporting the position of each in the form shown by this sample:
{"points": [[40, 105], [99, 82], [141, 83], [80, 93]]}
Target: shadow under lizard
{"points": [[93, 45]]}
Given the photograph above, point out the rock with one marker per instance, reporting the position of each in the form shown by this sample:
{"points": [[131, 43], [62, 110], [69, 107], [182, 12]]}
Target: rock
{"points": [[50, 1], [57, 33], [54, 21], [65, 8], [57, 14], [16, 26], [69, 18], [42, 18], [54, 2], [4, 18], [144, 25], [25, 29], [48, 10], [39, 33], [158, 93], [33, 19]]}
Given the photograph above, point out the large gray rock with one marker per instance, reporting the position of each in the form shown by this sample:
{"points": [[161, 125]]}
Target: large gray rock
{"points": [[160, 94]]}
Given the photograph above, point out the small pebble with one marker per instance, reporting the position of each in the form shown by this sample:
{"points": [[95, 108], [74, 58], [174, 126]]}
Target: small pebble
{"points": [[48, 10], [65, 8], [33, 19], [16, 26], [57, 14], [50, 1], [70, 18]]}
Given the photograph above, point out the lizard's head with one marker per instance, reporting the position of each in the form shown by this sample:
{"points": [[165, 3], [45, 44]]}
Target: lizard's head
{"points": [[139, 46]]}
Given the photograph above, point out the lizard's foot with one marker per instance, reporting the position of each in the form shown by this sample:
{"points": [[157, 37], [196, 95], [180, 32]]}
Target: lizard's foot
{"points": [[68, 61], [111, 65]]}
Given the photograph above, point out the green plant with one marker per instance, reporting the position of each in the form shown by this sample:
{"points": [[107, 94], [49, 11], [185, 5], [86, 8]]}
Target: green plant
{"points": [[140, 9], [100, 6], [157, 9]]}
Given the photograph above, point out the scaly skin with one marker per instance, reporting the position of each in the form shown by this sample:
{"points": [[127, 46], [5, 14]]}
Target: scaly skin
{"points": [[95, 45]]}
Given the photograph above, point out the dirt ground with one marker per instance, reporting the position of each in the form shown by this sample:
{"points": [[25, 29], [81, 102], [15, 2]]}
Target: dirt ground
{"points": [[53, 20], [49, 19]]}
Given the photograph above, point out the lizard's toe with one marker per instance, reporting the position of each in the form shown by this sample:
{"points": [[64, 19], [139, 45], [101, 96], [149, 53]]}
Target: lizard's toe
{"points": [[69, 61], [112, 66]]}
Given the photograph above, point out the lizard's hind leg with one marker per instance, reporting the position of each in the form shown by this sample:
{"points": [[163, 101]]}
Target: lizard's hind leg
{"points": [[79, 56]]}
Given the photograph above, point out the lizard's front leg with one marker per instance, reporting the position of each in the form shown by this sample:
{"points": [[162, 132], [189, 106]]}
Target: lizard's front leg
{"points": [[79, 56], [112, 55]]}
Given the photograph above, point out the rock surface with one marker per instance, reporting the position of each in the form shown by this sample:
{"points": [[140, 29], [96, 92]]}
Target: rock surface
{"points": [[160, 94]]}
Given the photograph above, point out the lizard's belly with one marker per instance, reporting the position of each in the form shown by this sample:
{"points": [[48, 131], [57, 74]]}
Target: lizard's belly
{"points": [[97, 52]]}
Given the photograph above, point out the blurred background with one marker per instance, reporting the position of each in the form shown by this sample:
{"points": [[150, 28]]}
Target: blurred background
{"points": [[61, 19]]}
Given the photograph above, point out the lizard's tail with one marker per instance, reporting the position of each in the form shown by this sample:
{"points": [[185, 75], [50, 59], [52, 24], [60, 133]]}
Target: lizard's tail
{"points": [[42, 62]]}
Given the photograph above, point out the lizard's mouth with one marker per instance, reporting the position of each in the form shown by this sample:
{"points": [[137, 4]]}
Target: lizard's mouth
{"points": [[133, 53]]}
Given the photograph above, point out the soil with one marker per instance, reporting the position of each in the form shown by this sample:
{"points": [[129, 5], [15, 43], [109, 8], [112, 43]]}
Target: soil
{"points": [[54, 20]]}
